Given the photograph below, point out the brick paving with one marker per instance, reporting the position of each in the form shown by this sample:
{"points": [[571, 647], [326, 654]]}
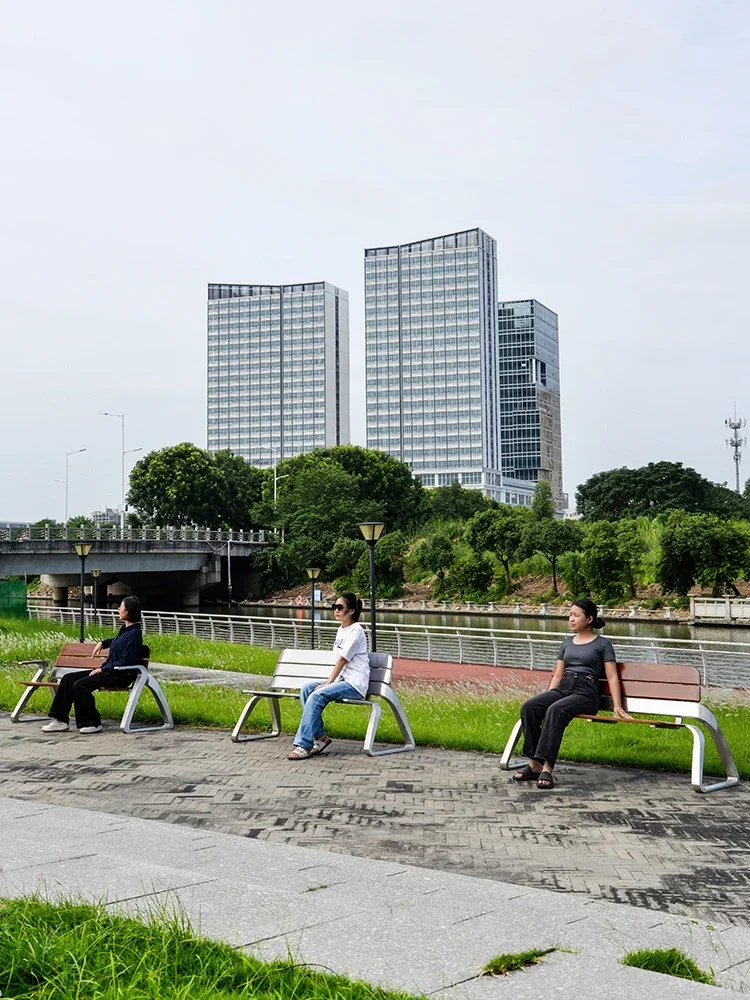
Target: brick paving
{"points": [[641, 838]]}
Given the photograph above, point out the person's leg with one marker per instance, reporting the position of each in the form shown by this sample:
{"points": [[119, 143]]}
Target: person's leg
{"points": [[311, 723], [86, 711], [583, 700], [306, 691], [63, 700], [533, 713]]}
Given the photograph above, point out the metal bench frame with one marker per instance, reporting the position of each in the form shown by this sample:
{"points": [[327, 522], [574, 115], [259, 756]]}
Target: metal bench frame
{"points": [[679, 710], [46, 676], [296, 668]]}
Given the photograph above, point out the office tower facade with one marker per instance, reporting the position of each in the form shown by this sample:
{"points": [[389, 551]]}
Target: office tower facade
{"points": [[278, 369], [431, 340], [529, 391]]}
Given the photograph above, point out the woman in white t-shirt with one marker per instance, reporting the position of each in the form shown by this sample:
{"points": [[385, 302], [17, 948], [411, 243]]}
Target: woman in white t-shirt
{"points": [[349, 678]]}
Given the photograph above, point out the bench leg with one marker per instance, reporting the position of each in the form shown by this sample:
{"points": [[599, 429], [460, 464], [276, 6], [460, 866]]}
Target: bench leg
{"points": [[510, 746], [275, 710], [15, 715], [725, 755], [402, 722], [145, 681]]}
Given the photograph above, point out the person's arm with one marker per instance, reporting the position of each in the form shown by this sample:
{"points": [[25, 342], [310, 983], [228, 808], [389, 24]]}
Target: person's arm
{"points": [[557, 675], [610, 668], [337, 668]]}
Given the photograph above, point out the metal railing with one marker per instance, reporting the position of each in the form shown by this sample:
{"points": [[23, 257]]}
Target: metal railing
{"points": [[720, 609], [723, 664], [115, 533]]}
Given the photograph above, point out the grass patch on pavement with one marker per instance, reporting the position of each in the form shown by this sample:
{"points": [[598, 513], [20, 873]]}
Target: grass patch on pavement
{"points": [[501, 965], [73, 951], [669, 962]]}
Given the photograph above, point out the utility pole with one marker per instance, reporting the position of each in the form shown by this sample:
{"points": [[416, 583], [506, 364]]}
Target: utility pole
{"points": [[735, 442]]}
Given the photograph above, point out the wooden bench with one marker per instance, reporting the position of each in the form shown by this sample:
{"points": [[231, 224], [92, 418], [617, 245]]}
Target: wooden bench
{"points": [[661, 689], [79, 656], [297, 667]]}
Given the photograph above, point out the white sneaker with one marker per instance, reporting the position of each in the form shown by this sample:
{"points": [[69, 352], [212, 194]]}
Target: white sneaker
{"points": [[88, 730], [55, 726]]}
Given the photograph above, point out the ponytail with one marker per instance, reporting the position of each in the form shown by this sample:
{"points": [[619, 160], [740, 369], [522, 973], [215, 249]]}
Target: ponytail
{"points": [[353, 603]]}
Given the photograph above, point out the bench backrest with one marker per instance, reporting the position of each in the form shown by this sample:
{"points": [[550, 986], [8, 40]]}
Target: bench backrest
{"points": [[662, 681], [78, 656], [296, 667]]}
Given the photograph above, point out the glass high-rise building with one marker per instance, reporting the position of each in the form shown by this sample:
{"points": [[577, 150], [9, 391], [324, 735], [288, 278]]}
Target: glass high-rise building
{"points": [[529, 391], [278, 369], [431, 339]]}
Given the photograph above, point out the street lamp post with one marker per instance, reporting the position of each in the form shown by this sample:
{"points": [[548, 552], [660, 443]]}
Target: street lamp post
{"points": [[67, 458], [371, 532], [82, 550], [95, 573], [313, 573], [121, 418]]}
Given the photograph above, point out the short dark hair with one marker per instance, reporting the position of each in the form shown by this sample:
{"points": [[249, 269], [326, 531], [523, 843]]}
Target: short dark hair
{"points": [[590, 610], [353, 604], [132, 608]]}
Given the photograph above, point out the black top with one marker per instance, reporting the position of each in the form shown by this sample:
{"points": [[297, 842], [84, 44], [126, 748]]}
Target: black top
{"points": [[125, 648], [586, 657]]}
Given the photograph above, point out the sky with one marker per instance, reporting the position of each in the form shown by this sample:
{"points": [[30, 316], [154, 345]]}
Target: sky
{"points": [[151, 148]]}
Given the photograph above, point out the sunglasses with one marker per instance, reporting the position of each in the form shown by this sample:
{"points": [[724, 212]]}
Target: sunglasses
{"points": [[339, 607]]}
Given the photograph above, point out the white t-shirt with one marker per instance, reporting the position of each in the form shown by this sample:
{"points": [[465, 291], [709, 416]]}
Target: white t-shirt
{"points": [[351, 643]]}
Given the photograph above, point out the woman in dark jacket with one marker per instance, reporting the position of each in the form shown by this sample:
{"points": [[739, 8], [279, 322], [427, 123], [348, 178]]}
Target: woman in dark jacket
{"points": [[76, 688]]}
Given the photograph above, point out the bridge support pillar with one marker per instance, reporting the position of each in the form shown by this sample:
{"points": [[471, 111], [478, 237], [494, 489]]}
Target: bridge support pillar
{"points": [[60, 595], [191, 598]]}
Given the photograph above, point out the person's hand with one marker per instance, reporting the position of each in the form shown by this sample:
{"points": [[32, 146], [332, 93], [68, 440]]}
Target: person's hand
{"points": [[96, 670], [321, 685], [97, 649], [620, 713]]}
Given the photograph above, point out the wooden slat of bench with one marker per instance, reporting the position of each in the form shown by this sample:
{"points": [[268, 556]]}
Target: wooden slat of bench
{"points": [[80, 662], [656, 689], [663, 673], [631, 722], [77, 649], [55, 684]]}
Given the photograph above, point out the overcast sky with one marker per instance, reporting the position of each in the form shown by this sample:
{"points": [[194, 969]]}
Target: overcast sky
{"points": [[149, 148]]}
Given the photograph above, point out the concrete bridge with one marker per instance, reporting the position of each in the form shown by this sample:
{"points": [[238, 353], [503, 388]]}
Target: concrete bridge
{"points": [[161, 565]]}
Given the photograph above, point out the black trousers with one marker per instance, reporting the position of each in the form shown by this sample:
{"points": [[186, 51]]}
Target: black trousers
{"points": [[77, 687], [577, 694]]}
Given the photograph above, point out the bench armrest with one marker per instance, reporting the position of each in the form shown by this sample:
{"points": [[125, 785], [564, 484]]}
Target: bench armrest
{"points": [[34, 663], [137, 666]]}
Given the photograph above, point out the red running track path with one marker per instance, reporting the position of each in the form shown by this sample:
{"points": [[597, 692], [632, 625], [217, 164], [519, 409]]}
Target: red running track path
{"points": [[439, 672]]}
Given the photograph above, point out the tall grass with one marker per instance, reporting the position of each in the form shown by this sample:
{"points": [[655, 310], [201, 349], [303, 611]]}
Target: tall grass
{"points": [[76, 951]]}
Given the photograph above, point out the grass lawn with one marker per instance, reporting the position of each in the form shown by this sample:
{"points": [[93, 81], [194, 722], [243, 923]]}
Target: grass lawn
{"points": [[70, 951], [460, 718], [23, 639]]}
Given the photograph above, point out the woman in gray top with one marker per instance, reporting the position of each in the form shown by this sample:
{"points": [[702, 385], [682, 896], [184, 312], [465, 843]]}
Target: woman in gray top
{"points": [[573, 690]]}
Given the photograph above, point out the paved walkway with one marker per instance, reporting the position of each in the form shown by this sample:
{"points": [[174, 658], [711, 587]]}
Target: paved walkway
{"points": [[428, 932], [632, 837]]}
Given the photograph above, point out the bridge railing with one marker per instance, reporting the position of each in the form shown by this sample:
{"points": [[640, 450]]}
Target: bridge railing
{"points": [[722, 664], [720, 609], [115, 533]]}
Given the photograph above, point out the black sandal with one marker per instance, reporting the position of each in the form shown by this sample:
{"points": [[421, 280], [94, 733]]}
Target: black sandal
{"points": [[546, 781], [526, 774]]}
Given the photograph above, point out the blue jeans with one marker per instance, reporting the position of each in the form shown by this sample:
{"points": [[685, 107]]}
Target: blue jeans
{"points": [[313, 703]]}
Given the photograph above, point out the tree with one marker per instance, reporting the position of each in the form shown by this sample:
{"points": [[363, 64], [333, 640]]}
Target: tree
{"points": [[653, 489], [240, 487], [471, 577], [542, 505], [436, 555], [80, 521], [601, 563], [345, 555], [177, 486], [455, 502], [631, 548], [702, 549], [498, 531], [552, 538]]}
